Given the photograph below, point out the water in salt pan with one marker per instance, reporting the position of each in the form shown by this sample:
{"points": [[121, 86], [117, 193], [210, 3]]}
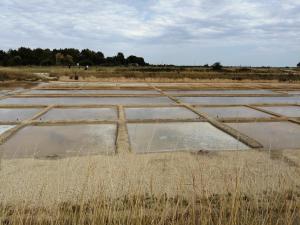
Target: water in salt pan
{"points": [[239, 100], [159, 113], [86, 100], [235, 92], [80, 114], [60, 141], [17, 114], [233, 112], [178, 136], [289, 111], [91, 92], [272, 135], [296, 92]]}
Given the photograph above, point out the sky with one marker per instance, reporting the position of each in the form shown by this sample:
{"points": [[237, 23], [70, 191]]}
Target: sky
{"points": [[181, 32]]}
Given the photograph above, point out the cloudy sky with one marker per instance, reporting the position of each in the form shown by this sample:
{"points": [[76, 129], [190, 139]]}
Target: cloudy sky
{"points": [[235, 32]]}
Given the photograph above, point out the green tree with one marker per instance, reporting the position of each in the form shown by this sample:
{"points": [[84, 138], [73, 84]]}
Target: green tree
{"points": [[59, 59], [3, 57], [75, 53], [39, 55], [15, 61], [86, 62], [298, 65], [88, 55], [217, 66], [99, 58], [68, 60], [135, 60], [120, 59], [46, 62], [46, 57], [29, 58]]}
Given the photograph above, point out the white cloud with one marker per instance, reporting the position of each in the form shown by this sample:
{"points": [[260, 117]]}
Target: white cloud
{"points": [[115, 23]]}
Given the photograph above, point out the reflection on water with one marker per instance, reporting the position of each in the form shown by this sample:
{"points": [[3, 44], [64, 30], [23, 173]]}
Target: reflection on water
{"points": [[273, 135], [67, 140], [86, 100], [80, 114], [17, 114], [233, 112], [160, 113], [240, 100], [90, 92], [290, 111], [194, 136]]}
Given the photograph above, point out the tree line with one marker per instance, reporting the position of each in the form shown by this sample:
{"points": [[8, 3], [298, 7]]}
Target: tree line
{"points": [[64, 57]]}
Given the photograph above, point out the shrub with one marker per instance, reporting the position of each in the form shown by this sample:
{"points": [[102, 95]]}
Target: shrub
{"points": [[86, 62], [46, 62], [15, 61], [217, 66]]}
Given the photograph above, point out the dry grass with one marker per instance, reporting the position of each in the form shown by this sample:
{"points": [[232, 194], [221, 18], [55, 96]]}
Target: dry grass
{"points": [[153, 73], [246, 188]]}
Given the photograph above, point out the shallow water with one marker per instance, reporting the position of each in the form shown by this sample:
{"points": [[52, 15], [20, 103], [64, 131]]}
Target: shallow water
{"points": [[188, 136], [233, 112], [159, 113], [17, 114], [86, 100], [77, 84], [272, 135], [91, 92], [294, 92], [60, 141], [239, 100], [237, 92], [289, 111], [80, 114], [91, 84]]}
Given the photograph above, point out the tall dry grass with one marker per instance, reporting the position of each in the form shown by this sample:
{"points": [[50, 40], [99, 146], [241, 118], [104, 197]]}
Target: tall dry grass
{"points": [[248, 188], [152, 72], [233, 208]]}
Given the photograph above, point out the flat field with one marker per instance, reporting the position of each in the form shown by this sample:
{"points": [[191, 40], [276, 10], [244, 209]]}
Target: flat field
{"points": [[91, 152]]}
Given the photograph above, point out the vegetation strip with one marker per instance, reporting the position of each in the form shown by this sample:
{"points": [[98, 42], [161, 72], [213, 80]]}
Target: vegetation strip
{"points": [[122, 144]]}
